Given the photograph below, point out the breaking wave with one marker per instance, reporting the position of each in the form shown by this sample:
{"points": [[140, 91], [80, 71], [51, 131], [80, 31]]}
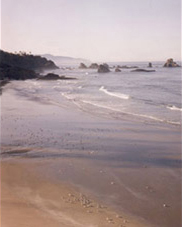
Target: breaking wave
{"points": [[115, 94], [132, 114], [174, 108]]}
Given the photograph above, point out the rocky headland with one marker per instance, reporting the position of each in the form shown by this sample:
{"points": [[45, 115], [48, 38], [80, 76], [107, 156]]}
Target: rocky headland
{"points": [[23, 66]]}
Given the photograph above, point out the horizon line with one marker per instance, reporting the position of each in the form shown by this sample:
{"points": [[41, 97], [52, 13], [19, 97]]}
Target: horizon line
{"points": [[86, 59]]}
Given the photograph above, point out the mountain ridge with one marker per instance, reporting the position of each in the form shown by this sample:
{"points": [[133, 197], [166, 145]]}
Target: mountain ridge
{"points": [[59, 60]]}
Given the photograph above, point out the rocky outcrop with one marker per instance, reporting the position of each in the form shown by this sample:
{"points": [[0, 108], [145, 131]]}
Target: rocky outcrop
{"points": [[171, 63], [117, 70], [150, 65], [3, 83], [49, 76], [52, 76], [106, 65], [26, 61], [16, 73], [82, 66], [22, 66], [104, 68], [142, 70], [94, 66]]}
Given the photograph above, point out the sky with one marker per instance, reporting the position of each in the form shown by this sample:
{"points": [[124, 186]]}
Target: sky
{"points": [[100, 30]]}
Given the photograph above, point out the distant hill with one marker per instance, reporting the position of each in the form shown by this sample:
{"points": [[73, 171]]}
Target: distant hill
{"points": [[65, 61]]}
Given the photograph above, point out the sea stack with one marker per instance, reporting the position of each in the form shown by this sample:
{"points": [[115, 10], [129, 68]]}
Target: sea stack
{"points": [[171, 63], [117, 70], [103, 68], [150, 65], [94, 66], [82, 66]]}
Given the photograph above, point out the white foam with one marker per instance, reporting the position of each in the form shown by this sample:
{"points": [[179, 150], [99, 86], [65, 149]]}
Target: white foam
{"points": [[115, 94], [174, 108], [133, 114], [99, 105]]}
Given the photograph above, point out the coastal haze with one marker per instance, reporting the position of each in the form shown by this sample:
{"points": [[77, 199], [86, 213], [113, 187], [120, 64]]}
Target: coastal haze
{"points": [[83, 148], [98, 30]]}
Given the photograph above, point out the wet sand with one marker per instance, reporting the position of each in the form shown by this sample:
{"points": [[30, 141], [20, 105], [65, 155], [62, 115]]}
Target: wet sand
{"points": [[28, 199], [56, 161]]}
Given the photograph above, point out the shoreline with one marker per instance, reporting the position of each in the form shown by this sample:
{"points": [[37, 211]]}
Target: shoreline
{"points": [[133, 168]]}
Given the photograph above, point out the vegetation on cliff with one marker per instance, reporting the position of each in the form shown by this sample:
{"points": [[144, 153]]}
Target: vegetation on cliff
{"points": [[22, 66]]}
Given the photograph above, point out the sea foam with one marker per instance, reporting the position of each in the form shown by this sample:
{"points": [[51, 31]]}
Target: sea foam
{"points": [[115, 94], [174, 108]]}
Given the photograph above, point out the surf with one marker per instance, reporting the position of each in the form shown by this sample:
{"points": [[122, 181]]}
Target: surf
{"points": [[115, 94], [174, 108]]}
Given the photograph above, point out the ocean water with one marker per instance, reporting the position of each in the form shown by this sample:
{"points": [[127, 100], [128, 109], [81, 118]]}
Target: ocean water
{"points": [[153, 97]]}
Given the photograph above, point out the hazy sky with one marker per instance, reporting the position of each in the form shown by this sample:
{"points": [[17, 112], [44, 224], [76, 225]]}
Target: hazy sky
{"points": [[108, 30]]}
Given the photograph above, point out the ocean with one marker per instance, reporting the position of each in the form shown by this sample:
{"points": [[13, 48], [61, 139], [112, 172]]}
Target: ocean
{"points": [[150, 97]]}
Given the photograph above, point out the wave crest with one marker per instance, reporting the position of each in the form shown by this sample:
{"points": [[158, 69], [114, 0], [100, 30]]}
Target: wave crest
{"points": [[115, 94], [174, 108]]}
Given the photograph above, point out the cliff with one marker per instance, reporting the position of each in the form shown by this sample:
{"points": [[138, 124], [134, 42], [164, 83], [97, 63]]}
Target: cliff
{"points": [[22, 66]]}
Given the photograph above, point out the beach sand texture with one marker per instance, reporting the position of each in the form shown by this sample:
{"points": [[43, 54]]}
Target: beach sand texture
{"points": [[63, 167]]}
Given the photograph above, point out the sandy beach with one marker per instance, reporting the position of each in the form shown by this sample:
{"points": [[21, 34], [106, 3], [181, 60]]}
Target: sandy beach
{"points": [[64, 167], [28, 199]]}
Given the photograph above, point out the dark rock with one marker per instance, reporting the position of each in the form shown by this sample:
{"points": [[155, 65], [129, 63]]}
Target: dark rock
{"points": [[3, 83], [94, 66], [171, 63], [22, 66], [82, 66], [103, 68], [66, 78], [52, 76], [117, 70], [150, 65], [27, 61], [106, 65], [16, 73], [142, 70]]}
